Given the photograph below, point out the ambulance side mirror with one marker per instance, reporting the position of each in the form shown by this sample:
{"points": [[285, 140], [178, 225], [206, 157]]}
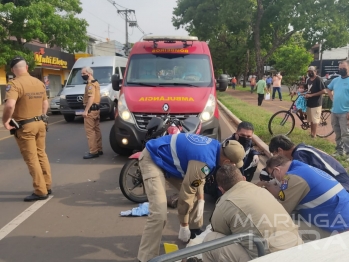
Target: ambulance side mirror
{"points": [[116, 82]]}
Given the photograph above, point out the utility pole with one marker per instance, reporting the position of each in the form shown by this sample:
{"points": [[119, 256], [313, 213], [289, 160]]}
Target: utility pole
{"points": [[126, 12], [109, 32], [320, 66]]}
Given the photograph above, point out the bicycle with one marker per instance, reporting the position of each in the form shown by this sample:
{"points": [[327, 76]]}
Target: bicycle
{"points": [[284, 122]]}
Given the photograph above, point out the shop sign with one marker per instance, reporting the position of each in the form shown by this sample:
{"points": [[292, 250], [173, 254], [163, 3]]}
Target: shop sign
{"points": [[45, 60]]}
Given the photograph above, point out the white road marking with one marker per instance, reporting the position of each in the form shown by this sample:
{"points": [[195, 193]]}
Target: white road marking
{"points": [[22, 217], [229, 125]]}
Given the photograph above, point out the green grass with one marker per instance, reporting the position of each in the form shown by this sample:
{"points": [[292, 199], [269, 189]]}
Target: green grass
{"points": [[259, 117]]}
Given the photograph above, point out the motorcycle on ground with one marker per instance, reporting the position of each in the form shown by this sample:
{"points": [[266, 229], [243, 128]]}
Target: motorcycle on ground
{"points": [[130, 179]]}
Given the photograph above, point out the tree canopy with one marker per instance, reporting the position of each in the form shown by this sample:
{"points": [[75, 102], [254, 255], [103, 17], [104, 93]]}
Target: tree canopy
{"points": [[266, 25], [51, 22], [292, 59]]}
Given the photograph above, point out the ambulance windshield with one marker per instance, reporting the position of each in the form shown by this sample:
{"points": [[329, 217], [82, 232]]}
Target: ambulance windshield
{"points": [[169, 70]]}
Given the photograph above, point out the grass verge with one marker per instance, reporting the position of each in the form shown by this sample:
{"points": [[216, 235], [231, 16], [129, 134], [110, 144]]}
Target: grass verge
{"points": [[259, 117]]}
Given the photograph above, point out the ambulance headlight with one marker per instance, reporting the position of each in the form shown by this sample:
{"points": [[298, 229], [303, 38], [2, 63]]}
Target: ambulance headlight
{"points": [[209, 109], [124, 113]]}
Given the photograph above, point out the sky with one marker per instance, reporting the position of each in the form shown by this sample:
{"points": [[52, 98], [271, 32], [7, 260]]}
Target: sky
{"points": [[153, 16]]}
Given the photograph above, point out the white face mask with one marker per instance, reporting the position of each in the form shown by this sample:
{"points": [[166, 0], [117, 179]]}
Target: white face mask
{"points": [[277, 182]]}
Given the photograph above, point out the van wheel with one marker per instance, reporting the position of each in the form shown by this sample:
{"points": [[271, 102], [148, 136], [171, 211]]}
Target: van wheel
{"points": [[69, 118], [114, 145], [112, 113]]}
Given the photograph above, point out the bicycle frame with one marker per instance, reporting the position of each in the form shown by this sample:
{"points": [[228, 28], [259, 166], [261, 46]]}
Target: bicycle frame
{"points": [[305, 124]]}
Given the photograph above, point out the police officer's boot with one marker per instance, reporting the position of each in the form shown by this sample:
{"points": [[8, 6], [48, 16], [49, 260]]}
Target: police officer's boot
{"points": [[35, 197], [89, 156]]}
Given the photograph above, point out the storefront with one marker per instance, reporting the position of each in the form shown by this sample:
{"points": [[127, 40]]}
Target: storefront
{"points": [[52, 67]]}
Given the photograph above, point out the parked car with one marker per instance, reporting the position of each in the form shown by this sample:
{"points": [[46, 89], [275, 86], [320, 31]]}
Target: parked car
{"points": [[331, 77], [55, 104]]}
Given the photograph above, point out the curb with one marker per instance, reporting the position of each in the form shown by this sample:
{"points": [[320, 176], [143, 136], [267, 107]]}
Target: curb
{"points": [[259, 142]]}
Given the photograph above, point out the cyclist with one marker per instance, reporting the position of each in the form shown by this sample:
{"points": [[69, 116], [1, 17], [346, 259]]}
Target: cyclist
{"points": [[301, 103]]}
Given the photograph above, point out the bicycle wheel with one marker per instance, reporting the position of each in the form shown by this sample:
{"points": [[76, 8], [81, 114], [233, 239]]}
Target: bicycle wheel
{"points": [[281, 123], [324, 128]]}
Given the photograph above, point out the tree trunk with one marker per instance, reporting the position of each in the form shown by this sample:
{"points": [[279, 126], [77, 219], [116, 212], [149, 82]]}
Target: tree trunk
{"points": [[256, 32], [246, 68], [320, 66]]}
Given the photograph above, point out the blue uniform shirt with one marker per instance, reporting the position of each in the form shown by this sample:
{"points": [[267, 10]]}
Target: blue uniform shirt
{"points": [[316, 158], [326, 205], [340, 87], [173, 152]]}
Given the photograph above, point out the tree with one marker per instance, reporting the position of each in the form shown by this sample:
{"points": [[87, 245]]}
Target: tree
{"points": [[293, 60], [268, 23], [228, 49], [47, 21]]}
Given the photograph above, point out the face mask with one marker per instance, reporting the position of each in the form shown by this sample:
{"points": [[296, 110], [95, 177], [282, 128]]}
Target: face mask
{"points": [[245, 142], [85, 77], [311, 74], [342, 72]]}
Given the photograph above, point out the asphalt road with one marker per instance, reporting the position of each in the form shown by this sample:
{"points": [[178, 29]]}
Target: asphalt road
{"points": [[81, 221]]}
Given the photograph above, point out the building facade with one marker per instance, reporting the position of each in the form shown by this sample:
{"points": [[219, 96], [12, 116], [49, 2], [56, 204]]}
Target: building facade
{"points": [[52, 66], [330, 59]]}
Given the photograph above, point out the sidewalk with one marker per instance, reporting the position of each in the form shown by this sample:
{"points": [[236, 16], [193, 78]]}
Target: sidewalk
{"points": [[272, 106]]}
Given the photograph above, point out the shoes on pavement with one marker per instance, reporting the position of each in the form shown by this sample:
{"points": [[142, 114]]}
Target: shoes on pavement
{"points": [[35, 197], [280, 99], [195, 232], [100, 153], [89, 156], [49, 191]]}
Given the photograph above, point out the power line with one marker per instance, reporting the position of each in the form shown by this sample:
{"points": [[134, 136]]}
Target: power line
{"points": [[121, 6], [96, 35], [102, 20]]}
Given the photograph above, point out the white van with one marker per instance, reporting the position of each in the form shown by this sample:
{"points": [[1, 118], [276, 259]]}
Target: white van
{"points": [[103, 68]]}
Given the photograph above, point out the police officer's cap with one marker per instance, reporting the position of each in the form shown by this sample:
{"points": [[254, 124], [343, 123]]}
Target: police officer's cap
{"points": [[15, 60]]}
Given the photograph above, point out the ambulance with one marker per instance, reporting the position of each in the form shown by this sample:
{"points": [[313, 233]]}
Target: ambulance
{"points": [[165, 75]]}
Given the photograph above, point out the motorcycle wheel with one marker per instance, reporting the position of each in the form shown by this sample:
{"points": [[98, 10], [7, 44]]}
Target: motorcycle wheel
{"points": [[131, 182]]}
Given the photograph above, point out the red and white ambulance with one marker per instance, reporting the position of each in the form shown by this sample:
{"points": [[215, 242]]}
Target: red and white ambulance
{"points": [[165, 75]]}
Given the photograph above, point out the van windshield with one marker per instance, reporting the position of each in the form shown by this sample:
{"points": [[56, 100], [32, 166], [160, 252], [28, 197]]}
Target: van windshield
{"points": [[180, 70], [102, 74]]}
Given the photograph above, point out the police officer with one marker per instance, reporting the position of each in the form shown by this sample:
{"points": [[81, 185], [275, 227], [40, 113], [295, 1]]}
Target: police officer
{"points": [[186, 159], [92, 98], [316, 197], [26, 103], [243, 209]]}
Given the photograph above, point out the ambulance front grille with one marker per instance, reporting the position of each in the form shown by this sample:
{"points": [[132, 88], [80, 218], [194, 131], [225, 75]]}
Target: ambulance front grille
{"points": [[142, 119]]}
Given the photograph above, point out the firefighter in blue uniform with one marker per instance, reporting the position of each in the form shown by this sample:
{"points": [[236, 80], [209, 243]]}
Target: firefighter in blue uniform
{"points": [[282, 145], [186, 160], [312, 194]]}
